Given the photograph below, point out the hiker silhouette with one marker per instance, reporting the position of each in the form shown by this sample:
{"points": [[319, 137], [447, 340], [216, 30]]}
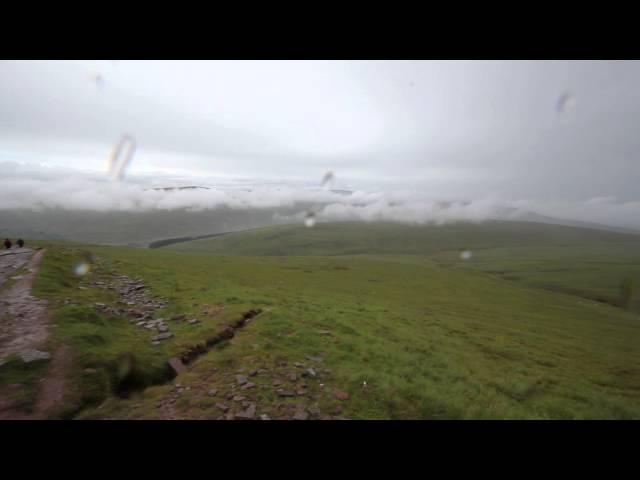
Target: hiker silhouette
{"points": [[20, 243], [7, 243]]}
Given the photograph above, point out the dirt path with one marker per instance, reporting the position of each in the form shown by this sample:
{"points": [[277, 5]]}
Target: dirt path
{"points": [[51, 394], [23, 324], [24, 330], [12, 260]]}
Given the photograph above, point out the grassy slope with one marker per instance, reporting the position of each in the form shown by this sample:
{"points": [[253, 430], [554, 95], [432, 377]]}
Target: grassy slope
{"points": [[585, 262], [350, 238], [590, 271], [431, 341]]}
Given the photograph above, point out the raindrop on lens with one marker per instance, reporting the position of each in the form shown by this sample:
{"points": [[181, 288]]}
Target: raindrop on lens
{"points": [[566, 102], [81, 269], [466, 255], [310, 220], [327, 179]]}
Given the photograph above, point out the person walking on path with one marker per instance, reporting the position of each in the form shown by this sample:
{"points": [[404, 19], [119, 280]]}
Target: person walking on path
{"points": [[7, 243], [20, 243]]}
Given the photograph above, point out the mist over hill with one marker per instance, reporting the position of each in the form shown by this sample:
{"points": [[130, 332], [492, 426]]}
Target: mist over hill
{"points": [[130, 228], [140, 228]]}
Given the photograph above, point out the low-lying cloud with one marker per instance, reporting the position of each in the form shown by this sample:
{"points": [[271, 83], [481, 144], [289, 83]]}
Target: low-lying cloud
{"points": [[34, 187]]}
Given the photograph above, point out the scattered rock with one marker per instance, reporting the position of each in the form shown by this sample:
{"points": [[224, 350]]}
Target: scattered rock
{"points": [[253, 373], [301, 416], [277, 383], [292, 377], [315, 412], [264, 416], [342, 395], [285, 393], [213, 392], [34, 355], [176, 364], [181, 316], [238, 398], [311, 372], [313, 358], [241, 379], [162, 336], [222, 407], [298, 364], [155, 343], [163, 328], [193, 320], [248, 385], [301, 393], [248, 414]]}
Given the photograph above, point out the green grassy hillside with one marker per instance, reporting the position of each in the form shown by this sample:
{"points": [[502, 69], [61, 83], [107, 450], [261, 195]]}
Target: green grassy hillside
{"points": [[350, 238], [433, 337]]}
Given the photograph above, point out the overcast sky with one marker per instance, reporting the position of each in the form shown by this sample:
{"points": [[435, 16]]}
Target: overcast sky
{"points": [[559, 137]]}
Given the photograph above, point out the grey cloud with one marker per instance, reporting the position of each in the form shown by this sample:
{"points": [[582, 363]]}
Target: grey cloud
{"points": [[429, 130]]}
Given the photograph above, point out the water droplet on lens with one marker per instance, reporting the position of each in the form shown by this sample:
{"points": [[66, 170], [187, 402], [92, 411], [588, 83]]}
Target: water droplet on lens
{"points": [[127, 147], [327, 179], [81, 269], [98, 79], [566, 102], [466, 255], [310, 220]]}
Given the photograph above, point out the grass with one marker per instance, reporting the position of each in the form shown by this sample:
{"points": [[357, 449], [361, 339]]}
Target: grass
{"points": [[595, 273], [26, 376], [109, 356], [432, 337], [351, 238]]}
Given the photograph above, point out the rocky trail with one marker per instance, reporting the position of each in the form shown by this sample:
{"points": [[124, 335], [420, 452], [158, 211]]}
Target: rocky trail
{"points": [[24, 331], [24, 319]]}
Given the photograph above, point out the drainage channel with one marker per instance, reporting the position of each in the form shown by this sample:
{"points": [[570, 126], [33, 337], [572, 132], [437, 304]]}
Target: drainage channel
{"points": [[179, 364]]}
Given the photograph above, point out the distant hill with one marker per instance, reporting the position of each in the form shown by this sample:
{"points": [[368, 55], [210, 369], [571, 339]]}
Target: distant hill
{"points": [[527, 216], [133, 228], [171, 226], [351, 238], [171, 189]]}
